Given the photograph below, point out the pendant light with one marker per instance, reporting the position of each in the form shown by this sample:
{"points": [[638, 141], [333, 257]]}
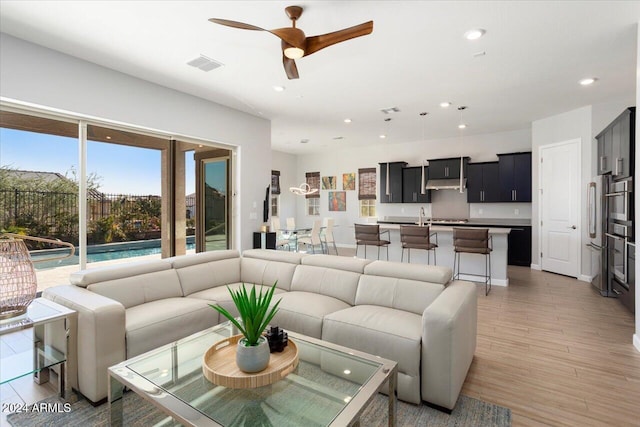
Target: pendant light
{"points": [[423, 184], [461, 126], [387, 190]]}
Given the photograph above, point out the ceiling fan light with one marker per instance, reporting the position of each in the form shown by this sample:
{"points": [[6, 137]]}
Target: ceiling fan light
{"points": [[293, 52]]}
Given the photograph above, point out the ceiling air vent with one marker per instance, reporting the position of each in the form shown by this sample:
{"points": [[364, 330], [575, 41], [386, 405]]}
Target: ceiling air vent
{"points": [[390, 110], [204, 63]]}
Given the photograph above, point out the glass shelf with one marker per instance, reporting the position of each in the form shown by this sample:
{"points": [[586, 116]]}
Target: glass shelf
{"points": [[21, 364]]}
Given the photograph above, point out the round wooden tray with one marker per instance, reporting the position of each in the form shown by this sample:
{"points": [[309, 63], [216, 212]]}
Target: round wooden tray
{"points": [[219, 365]]}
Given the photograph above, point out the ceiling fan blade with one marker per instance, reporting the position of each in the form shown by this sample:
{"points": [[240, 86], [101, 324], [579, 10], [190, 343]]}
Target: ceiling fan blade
{"points": [[315, 43], [290, 67], [236, 24]]}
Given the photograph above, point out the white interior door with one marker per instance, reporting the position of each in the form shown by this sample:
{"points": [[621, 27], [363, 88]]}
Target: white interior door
{"points": [[560, 207]]}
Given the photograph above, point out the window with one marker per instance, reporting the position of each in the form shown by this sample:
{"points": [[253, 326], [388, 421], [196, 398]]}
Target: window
{"points": [[367, 184], [313, 206], [275, 202], [367, 191], [367, 208], [313, 180], [275, 183]]}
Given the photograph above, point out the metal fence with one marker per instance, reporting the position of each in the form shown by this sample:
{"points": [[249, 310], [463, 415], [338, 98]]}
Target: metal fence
{"points": [[55, 214]]}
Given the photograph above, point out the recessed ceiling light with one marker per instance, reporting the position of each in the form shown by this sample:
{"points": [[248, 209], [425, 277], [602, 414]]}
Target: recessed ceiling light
{"points": [[445, 104], [108, 137], [383, 136], [462, 126], [474, 34], [304, 141], [337, 138], [278, 88], [347, 120], [588, 81]]}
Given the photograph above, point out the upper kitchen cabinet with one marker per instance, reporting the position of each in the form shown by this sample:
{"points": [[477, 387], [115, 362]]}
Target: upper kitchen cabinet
{"points": [[412, 185], [616, 148], [395, 182], [515, 177], [447, 168], [483, 182]]}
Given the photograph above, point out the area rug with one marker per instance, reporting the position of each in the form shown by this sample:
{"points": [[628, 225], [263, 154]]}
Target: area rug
{"points": [[469, 412]]}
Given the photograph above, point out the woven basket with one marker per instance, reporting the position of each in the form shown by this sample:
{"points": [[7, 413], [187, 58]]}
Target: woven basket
{"points": [[18, 285]]}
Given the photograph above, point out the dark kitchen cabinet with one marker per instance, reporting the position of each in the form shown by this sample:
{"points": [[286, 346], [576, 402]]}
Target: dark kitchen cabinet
{"points": [[604, 151], [447, 168], [627, 294], [395, 182], [515, 177], [483, 182], [616, 146], [519, 252], [412, 185]]}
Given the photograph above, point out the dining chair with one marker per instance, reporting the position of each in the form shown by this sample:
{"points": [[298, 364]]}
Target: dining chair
{"points": [[291, 223], [313, 239], [418, 237], [473, 241], [328, 235], [369, 235], [282, 240]]}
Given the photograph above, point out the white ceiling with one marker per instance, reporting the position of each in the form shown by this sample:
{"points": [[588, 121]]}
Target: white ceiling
{"points": [[415, 58]]}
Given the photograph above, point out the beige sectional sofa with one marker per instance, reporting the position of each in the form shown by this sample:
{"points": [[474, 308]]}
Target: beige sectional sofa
{"points": [[413, 314]]}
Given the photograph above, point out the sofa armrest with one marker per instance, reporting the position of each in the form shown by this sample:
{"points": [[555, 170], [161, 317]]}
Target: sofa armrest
{"points": [[99, 341], [449, 329]]}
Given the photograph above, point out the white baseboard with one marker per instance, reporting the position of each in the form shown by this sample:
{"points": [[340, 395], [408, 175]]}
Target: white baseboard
{"points": [[585, 278], [636, 341], [497, 282], [536, 267]]}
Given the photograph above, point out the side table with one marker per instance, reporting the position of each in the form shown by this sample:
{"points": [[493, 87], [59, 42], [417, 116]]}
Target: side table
{"points": [[43, 316]]}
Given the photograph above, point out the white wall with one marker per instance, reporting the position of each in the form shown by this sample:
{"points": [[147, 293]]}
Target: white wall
{"points": [[636, 336], [479, 147], [286, 164], [33, 74], [575, 124]]}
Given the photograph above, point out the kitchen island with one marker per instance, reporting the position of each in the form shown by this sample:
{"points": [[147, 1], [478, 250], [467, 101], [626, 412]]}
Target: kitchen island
{"points": [[469, 263]]}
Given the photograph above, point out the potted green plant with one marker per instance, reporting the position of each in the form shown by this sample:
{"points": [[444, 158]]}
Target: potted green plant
{"points": [[252, 354]]}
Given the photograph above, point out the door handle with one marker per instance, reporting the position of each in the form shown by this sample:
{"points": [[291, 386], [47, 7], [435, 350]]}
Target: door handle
{"points": [[613, 236], [615, 291], [602, 162], [573, 227], [619, 163]]}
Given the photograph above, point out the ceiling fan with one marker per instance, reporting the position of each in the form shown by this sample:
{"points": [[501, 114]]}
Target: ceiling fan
{"points": [[295, 44]]}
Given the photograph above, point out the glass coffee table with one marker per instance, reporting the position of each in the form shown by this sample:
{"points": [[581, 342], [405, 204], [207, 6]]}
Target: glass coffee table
{"points": [[331, 386], [44, 316]]}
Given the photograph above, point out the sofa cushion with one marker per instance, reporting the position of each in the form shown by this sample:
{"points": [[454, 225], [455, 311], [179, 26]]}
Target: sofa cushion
{"points": [[428, 273], [201, 276], [264, 272], [157, 323], [140, 289], [338, 262], [273, 255], [338, 284], [220, 295], [86, 277], [401, 294], [303, 312], [385, 332]]}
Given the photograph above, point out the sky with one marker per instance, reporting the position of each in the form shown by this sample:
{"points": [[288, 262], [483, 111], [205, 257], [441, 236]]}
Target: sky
{"points": [[121, 169]]}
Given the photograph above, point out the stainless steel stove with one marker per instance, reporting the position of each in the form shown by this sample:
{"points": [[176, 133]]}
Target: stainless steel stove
{"points": [[448, 221]]}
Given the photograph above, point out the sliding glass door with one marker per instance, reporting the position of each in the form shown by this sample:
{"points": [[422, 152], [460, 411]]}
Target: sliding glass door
{"points": [[213, 231]]}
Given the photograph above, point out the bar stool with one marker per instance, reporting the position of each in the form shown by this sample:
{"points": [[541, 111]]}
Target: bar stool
{"points": [[473, 241], [369, 235], [416, 237]]}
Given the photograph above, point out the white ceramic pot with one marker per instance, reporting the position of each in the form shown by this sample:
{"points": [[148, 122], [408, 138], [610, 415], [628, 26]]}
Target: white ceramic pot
{"points": [[252, 358]]}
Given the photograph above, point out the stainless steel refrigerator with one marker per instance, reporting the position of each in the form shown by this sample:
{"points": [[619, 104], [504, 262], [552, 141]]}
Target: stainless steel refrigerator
{"points": [[597, 210]]}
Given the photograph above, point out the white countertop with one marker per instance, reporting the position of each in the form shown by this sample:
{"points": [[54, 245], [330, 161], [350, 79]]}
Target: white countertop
{"points": [[448, 228]]}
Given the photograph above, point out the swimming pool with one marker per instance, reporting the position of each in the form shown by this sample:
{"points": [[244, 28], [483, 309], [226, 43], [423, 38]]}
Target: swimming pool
{"points": [[101, 253]]}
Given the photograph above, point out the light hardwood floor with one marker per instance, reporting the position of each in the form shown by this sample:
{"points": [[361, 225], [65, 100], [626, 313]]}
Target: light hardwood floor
{"points": [[549, 347], [555, 352]]}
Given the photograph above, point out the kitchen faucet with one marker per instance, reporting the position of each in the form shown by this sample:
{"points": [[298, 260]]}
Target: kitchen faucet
{"points": [[421, 216]]}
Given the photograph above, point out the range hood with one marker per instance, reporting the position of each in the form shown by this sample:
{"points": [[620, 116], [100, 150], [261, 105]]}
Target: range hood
{"points": [[446, 184]]}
